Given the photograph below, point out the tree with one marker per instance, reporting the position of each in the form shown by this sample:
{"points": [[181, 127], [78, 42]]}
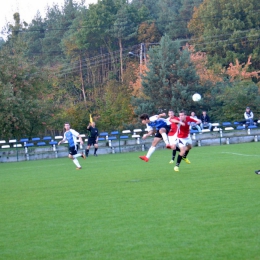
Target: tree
{"points": [[2, 42], [123, 29], [34, 37], [173, 16], [148, 33], [114, 106], [22, 92], [58, 21], [227, 31], [170, 80], [231, 99]]}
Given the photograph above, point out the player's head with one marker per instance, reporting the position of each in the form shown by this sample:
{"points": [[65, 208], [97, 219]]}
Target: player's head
{"points": [[67, 126], [192, 113], [170, 113], [93, 124], [182, 115], [144, 118]]}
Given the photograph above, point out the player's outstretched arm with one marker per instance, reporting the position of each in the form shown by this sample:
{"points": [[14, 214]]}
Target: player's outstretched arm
{"points": [[161, 115], [148, 134], [172, 120]]}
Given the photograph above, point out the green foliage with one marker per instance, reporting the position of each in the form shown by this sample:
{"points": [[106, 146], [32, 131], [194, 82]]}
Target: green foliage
{"points": [[22, 93], [173, 17], [231, 100], [114, 106], [235, 23], [2, 42], [33, 38], [74, 54], [171, 79]]}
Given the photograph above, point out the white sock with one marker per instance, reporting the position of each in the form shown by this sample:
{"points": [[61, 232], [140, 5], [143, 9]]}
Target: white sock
{"points": [[76, 162], [150, 151], [165, 138], [77, 155]]}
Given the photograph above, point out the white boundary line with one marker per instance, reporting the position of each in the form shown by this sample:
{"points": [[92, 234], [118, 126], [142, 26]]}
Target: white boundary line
{"points": [[250, 155]]}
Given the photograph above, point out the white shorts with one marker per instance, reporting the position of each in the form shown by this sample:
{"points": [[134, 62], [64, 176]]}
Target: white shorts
{"points": [[173, 139], [184, 141]]}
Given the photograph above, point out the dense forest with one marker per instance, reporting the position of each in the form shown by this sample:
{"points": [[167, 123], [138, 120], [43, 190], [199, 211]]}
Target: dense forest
{"points": [[118, 58]]}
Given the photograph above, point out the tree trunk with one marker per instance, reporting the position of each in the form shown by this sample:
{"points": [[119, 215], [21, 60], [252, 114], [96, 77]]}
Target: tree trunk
{"points": [[121, 59], [82, 81]]}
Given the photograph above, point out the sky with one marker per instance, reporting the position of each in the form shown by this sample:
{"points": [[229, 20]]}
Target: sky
{"points": [[27, 9]]}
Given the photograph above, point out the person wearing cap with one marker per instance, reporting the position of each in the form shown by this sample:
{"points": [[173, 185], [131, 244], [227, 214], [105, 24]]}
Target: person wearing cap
{"points": [[249, 116]]}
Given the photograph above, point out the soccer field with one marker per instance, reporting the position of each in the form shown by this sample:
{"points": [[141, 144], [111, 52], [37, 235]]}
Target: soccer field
{"points": [[119, 207]]}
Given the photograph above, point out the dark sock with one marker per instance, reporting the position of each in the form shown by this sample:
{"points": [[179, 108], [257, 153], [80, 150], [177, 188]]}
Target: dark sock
{"points": [[95, 151], [173, 154], [185, 155], [86, 152], [179, 160]]}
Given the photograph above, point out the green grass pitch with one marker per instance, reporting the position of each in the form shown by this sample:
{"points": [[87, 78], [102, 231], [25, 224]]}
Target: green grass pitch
{"points": [[119, 207]]}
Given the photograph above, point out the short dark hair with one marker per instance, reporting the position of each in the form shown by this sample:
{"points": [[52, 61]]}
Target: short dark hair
{"points": [[183, 111], [144, 116]]}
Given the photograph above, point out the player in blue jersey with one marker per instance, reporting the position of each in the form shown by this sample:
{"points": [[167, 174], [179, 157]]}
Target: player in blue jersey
{"points": [[162, 127], [71, 136]]}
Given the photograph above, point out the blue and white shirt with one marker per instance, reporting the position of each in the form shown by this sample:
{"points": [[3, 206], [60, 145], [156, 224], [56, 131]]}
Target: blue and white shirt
{"points": [[157, 123], [71, 137]]}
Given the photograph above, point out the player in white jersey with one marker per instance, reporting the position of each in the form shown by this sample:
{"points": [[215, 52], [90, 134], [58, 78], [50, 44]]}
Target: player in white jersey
{"points": [[71, 136]]}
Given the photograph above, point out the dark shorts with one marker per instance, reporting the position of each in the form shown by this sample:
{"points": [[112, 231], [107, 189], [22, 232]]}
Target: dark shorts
{"points": [[73, 150], [158, 135], [92, 141]]}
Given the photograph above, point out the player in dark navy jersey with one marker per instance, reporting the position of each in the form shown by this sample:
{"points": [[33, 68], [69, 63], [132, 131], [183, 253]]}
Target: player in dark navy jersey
{"points": [[162, 127]]}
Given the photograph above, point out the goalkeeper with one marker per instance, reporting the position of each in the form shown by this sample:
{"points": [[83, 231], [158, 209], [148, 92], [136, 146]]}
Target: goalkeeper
{"points": [[92, 138]]}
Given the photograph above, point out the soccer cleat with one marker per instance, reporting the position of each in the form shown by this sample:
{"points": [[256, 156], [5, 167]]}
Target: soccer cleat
{"points": [[168, 146], [144, 158], [171, 161], [176, 168], [78, 168], [186, 160], [257, 172], [83, 155], [95, 154]]}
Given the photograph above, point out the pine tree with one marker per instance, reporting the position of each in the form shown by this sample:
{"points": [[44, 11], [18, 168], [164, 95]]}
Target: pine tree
{"points": [[170, 81]]}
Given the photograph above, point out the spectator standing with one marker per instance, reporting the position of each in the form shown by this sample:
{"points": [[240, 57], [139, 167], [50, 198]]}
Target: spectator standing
{"points": [[71, 136], [92, 138], [205, 121]]}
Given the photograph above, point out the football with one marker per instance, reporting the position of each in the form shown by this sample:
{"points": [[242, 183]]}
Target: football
{"points": [[196, 97]]}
